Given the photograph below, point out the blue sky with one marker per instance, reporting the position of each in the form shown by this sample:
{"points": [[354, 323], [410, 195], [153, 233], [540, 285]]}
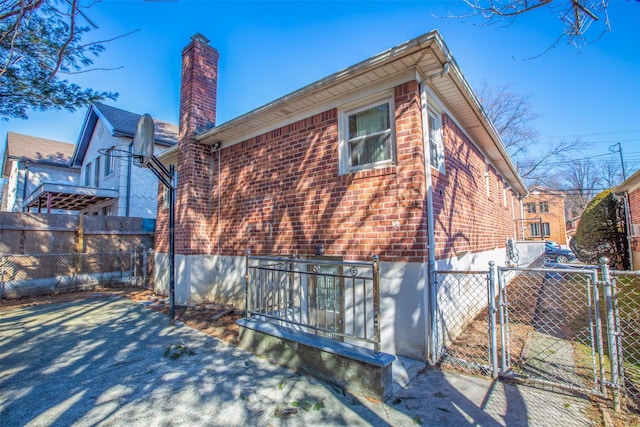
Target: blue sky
{"points": [[268, 49]]}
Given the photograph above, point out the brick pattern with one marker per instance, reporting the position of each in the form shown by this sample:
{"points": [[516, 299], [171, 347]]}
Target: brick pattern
{"points": [[466, 217], [281, 193], [634, 215], [197, 111], [555, 217]]}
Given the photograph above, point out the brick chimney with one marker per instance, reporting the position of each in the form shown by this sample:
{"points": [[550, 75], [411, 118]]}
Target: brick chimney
{"points": [[198, 93]]}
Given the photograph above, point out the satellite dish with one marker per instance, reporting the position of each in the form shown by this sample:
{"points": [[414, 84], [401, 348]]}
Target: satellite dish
{"points": [[143, 140]]}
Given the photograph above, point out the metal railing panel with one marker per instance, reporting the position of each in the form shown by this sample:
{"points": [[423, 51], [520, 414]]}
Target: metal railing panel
{"points": [[332, 298]]}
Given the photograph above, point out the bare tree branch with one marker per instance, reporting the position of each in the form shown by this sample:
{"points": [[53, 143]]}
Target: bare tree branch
{"points": [[576, 15]]}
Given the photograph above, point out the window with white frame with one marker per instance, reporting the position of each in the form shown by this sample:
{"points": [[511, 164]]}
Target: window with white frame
{"points": [[436, 149], [536, 229], [544, 207], [109, 162], [367, 137], [87, 174], [96, 178]]}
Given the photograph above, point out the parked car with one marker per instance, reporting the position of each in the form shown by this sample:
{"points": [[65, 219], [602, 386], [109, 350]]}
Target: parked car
{"points": [[550, 244], [554, 253]]}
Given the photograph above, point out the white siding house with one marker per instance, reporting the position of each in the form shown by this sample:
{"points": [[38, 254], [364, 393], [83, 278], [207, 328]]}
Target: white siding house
{"points": [[95, 177], [108, 128], [28, 163]]}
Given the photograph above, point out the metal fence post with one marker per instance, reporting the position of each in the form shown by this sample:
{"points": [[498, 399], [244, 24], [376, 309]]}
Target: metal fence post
{"points": [[2, 261], [598, 332], [376, 303], [611, 334], [491, 307], [247, 313], [134, 261], [145, 267], [503, 319]]}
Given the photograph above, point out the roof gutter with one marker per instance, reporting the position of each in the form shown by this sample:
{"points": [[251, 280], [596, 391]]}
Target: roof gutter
{"points": [[389, 55], [467, 91]]}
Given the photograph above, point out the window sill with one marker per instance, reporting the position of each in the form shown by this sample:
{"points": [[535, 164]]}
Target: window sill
{"points": [[370, 173]]}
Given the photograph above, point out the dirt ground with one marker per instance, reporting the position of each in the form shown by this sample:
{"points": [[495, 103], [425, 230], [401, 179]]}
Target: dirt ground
{"points": [[198, 317]]}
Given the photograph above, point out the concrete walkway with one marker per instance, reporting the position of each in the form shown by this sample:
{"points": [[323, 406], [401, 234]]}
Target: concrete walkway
{"points": [[109, 361]]}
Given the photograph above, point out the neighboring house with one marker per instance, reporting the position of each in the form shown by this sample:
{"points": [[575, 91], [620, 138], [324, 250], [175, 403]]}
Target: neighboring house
{"points": [[111, 130], [630, 190], [544, 216], [94, 177], [28, 163], [393, 156]]}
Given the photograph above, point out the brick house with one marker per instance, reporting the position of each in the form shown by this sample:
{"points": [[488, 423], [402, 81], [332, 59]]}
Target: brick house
{"points": [[630, 190], [393, 156], [544, 216]]}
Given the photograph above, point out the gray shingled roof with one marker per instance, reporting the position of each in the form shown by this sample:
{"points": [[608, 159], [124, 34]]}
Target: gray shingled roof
{"points": [[38, 150], [125, 123]]}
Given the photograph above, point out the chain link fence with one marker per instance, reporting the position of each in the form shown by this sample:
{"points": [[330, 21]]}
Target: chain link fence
{"points": [[462, 333], [572, 327], [46, 274], [552, 327], [626, 291]]}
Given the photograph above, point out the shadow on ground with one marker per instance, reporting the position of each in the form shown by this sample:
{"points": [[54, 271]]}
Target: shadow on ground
{"points": [[108, 361]]}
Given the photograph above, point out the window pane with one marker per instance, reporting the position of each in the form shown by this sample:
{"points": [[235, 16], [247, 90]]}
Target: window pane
{"points": [[370, 149], [87, 174], [108, 162], [433, 154], [535, 229], [544, 207], [369, 121]]}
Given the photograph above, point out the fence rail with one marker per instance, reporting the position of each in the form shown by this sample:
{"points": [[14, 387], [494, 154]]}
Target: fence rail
{"points": [[626, 308], [44, 274], [328, 297], [575, 328]]}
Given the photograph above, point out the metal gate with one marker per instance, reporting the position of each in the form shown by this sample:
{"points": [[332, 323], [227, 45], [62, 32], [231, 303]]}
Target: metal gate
{"points": [[573, 328], [551, 327]]}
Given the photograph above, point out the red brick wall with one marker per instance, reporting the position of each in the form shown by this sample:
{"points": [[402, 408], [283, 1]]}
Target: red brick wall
{"points": [[466, 218], [634, 214], [281, 193], [197, 111]]}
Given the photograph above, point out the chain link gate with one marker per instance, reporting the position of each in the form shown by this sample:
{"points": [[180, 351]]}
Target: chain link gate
{"points": [[573, 328], [552, 327]]}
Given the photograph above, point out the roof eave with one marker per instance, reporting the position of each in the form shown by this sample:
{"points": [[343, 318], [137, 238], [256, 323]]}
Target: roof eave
{"points": [[630, 184], [431, 40], [208, 136]]}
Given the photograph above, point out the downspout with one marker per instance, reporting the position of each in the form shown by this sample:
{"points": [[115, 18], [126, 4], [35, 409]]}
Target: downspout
{"points": [[128, 199], [216, 147], [627, 215], [24, 186], [430, 295]]}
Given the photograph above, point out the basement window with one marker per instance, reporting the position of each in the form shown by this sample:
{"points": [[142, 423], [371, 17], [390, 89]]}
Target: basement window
{"points": [[367, 137]]}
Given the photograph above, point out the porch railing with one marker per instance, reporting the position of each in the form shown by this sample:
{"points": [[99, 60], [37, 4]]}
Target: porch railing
{"points": [[336, 299]]}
